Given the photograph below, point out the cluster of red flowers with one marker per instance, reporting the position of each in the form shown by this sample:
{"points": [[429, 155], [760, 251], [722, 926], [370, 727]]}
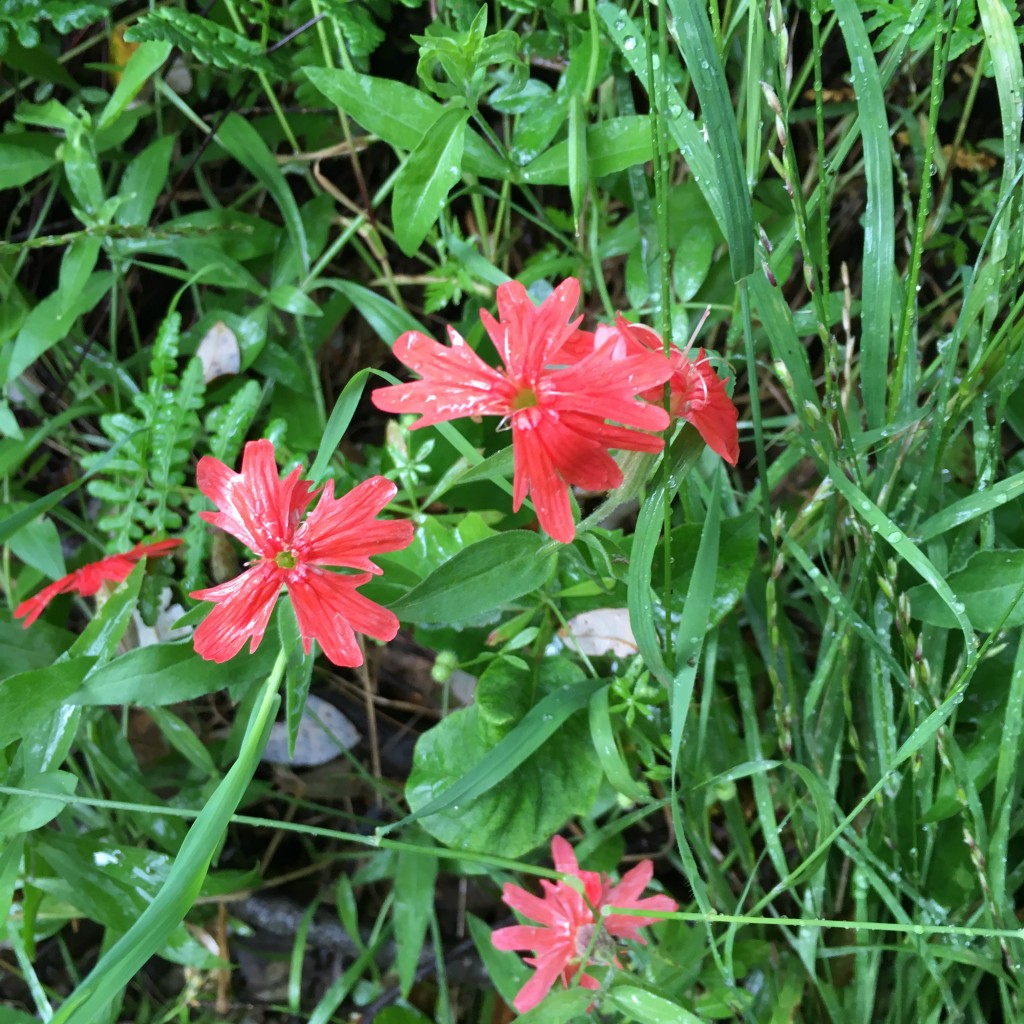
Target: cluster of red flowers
{"points": [[558, 388], [572, 927]]}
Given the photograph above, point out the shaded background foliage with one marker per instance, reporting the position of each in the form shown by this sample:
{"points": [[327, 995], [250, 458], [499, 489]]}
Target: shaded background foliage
{"points": [[840, 184]]}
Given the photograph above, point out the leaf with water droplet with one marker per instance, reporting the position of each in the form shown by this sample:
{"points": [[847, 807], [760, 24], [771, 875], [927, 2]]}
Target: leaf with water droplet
{"points": [[988, 589]]}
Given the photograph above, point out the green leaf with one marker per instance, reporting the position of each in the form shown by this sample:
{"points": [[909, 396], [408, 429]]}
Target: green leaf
{"points": [[736, 553], [298, 671], [387, 320], [430, 172], [29, 698], [151, 929], [246, 145], [22, 650], [878, 522], [611, 146], [25, 156], [144, 62], [692, 31], [399, 114], [106, 629], [415, 876], [577, 155], [560, 1007], [143, 180], [879, 267], [23, 813], [480, 578], [51, 321], [989, 586], [38, 544], [513, 788], [640, 1005], [615, 766], [506, 971], [165, 674]]}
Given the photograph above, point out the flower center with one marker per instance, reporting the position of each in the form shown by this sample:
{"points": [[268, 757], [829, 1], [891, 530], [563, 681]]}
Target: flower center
{"points": [[599, 950], [524, 398], [285, 560]]}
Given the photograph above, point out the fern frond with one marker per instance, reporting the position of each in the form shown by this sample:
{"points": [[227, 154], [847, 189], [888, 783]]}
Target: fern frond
{"points": [[206, 40], [227, 426]]}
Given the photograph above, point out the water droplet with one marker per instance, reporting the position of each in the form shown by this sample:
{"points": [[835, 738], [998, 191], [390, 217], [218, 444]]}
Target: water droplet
{"points": [[629, 43]]}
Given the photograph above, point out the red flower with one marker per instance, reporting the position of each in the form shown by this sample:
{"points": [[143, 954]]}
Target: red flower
{"points": [[698, 394], [564, 941], [89, 579], [265, 512], [558, 416]]}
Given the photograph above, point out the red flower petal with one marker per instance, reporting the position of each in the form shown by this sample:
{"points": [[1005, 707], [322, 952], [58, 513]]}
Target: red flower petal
{"points": [[263, 510], [345, 531], [548, 970], [329, 610], [242, 608], [89, 578], [456, 382], [256, 505], [559, 945]]}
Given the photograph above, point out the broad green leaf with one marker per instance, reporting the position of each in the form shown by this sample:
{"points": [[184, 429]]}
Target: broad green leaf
{"points": [[414, 903], [640, 1005], [25, 156], [989, 586], [514, 789], [38, 544], [181, 736], [480, 578], [51, 321], [611, 146], [166, 674], [113, 885], [246, 145], [506, 971], [736, 552], [29, 698], [387, 320], [430, 172], [560, 1007], [143, 180], [22, 650], [21, 813], [399, 114], [76, 266], [145, 61]]}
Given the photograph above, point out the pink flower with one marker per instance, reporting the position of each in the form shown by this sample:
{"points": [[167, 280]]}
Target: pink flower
{"points": [[88, 580], [564, 940], [265, 513], [698, 394], [558, 415]]}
